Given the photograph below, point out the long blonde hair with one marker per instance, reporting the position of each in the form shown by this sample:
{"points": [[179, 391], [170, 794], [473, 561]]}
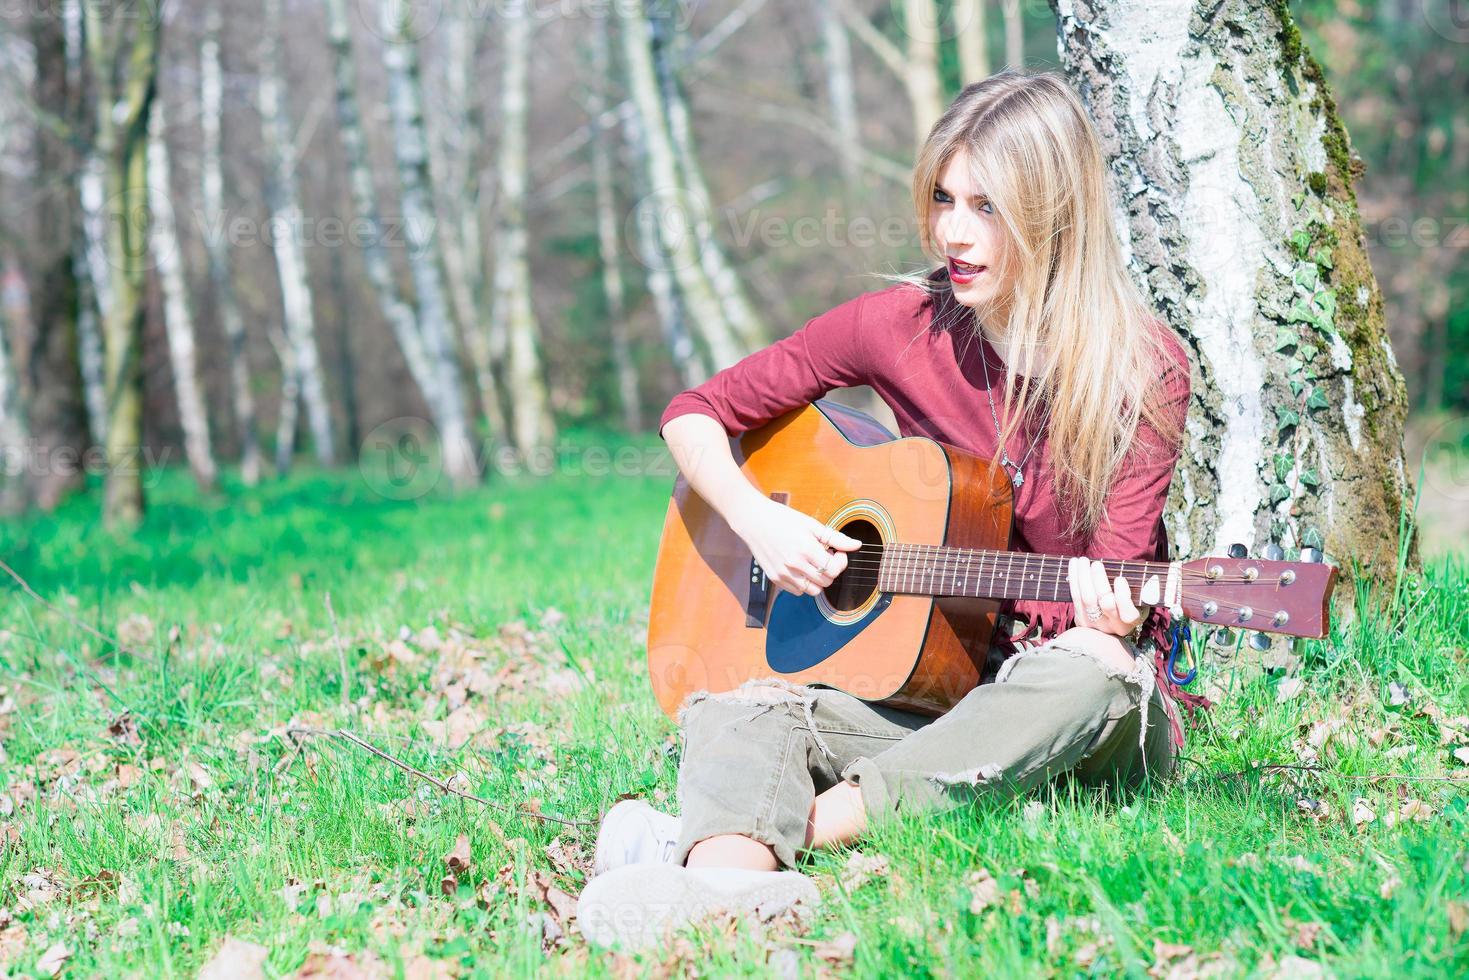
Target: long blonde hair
{"points": [[1080, 328]]}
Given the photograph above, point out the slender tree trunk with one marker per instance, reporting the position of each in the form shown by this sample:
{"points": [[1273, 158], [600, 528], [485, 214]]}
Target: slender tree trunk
{"points": [[1014, 32], [738, 310], [284, 204], [667, 303], [915, 66], [841, 93], [126, 36], [1235, 174], [607, 232], [217, 247], [532, 423], [178, 313], [670, 204], [346, 358], [91, 256], [56, 414], [15, 491], [444, 392], [969, 29]]}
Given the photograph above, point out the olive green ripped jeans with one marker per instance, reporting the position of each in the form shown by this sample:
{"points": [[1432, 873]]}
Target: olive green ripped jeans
{"points": [[755, 758]]}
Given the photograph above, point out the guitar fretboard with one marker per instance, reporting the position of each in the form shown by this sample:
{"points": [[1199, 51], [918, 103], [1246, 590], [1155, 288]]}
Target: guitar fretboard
{"points": [[980, 573]]}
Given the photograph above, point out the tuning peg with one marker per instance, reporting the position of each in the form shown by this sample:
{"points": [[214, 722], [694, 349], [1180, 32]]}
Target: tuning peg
{"points": [[1274, 552], [1223, 638], [1238, 550], [1312, 555], [1259, 641]]}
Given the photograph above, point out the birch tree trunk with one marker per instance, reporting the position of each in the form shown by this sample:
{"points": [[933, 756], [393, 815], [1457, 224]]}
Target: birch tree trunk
{"points": [[841, 93], [464, 245], [178, 313], [89, 266], [531, 421], [56, 414], [969, 29], [284, 203], [668, 305], [607, 231], [441, 387], [915, 65], [738, 310], [217, 247], [15, 491], [1235, 174], [1014, 32], [123, 45], [669, 203]]}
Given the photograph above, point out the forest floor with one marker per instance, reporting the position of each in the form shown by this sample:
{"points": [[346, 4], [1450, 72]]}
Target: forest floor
{"points": [[178, 800]]}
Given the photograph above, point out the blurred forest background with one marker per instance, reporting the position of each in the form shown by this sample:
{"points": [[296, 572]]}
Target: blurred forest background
{"points": [[365, 210]]}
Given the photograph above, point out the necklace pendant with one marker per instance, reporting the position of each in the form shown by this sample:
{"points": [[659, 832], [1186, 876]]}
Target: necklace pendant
{"points": [[1018, 478]]}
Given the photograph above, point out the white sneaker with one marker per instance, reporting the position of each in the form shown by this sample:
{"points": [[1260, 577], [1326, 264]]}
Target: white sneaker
{"points": [[637, 905], [633, 832]]}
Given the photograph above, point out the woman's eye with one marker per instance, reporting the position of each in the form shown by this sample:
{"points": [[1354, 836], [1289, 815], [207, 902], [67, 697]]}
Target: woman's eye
{"points": [[989, 205], [940, 195]]}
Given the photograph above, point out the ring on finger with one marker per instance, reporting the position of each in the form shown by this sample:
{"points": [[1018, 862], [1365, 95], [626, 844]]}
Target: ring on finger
{"points": [[1093, 613]]}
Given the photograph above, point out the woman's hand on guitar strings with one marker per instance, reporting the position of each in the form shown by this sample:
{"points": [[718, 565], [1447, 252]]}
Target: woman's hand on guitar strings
{"points": [[1098, 605], [799, 554]]}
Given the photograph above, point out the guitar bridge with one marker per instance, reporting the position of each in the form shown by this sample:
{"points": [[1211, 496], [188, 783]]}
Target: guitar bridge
{"points": [[757, 602]]}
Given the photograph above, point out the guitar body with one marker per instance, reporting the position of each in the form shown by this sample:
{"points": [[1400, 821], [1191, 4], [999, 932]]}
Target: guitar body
{"points": [[714, 622]]}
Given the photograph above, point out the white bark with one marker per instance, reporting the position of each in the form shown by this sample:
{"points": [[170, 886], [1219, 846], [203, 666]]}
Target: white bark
{"points": [[1014, 33], [915, 65], [1223, 148], [607, 231], [283, 201], [969, 28], [738, 310], [531, 422], [441, 385], [672, 318], [178, 313], [841, 93], [14, 476], [670, 204], [91, 256]]}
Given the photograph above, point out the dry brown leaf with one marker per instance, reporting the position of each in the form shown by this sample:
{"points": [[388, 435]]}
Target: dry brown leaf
{"points": [[839, 950], [861, 868], [236, 959], [458, 859], [342, 966], [1304, 934], [1458, 918], [1362, 812], [1163, 956], [52, 960], [984, 890]]}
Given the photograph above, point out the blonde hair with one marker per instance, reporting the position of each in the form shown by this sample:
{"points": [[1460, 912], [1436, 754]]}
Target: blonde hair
{"points": [[1077, 324]]}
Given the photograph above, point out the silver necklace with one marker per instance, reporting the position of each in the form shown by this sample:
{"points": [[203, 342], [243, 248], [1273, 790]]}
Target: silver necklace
{"points": [[1018, 478]]}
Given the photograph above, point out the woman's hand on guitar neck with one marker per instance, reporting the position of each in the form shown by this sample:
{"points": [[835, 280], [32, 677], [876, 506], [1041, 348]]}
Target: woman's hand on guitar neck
{"points": [[799, 554], [1099, 605]]}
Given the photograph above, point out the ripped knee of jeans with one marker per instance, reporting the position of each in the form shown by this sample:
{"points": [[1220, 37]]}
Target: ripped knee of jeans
{"points": [[767, 693], [978, 776]]}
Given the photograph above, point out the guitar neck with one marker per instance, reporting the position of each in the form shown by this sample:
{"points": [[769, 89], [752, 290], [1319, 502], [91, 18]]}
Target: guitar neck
{"points": [[980, 573]]}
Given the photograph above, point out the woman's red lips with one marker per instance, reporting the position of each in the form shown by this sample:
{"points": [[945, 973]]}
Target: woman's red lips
{"points": [[963, 272]]}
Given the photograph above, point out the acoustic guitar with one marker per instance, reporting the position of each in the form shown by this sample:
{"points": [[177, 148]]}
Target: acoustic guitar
{"points": [[908, 622]]}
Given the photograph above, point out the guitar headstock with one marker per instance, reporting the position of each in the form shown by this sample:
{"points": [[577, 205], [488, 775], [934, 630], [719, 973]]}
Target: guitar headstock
{"points": [[1288, 597]]}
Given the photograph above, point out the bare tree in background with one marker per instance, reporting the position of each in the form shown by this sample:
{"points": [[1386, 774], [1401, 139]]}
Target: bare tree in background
{"points": [[56, 414], [670, 204], [841, 92], [1235, 175], [667, 303], [123, 41], [178, 310], [217, 246], [1014, 32], [15, 495], [89, 250], [915, 65], [303, 376], [738, 310], [514, 317], [607, 228], [970, 32]]}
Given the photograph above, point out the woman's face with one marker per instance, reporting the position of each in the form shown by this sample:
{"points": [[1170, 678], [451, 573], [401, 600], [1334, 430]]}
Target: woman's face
{"points": [[966, 229]]}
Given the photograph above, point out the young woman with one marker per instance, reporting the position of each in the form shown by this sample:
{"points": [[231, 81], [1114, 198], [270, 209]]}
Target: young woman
{"points": [[1030, 346]]}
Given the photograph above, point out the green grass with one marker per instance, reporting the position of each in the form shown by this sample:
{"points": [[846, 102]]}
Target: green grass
{"points": [[536, 592]]}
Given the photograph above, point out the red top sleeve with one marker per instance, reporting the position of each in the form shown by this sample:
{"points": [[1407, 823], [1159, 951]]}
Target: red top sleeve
{"points": [[828, 352]]}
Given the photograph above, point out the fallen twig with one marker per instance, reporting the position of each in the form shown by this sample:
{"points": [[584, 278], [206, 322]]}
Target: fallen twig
{"points": [[446, 788]]}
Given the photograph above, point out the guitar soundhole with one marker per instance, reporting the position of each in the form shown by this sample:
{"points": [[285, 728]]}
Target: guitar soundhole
{"points": [[855, 585]]}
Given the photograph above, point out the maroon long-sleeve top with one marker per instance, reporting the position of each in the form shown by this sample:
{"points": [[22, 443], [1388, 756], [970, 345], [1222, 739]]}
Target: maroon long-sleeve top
{"points": [[922, 356]]}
